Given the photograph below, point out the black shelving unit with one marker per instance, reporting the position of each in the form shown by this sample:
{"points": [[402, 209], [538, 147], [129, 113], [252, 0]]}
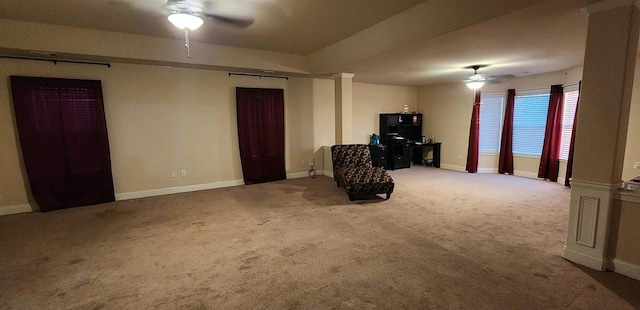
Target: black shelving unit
{"points": [[397, 132], [407, 126]]}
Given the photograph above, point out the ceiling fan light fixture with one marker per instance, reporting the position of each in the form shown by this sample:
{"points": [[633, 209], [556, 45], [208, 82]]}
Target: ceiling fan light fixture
{"points": [[476, 77], [475, 84], [476, 81], [186, 20]]}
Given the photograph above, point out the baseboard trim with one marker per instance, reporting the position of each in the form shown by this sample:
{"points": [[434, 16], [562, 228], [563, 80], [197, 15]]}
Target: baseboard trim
{"points": [[592, 262], [327, 173], [453, 167], [487, 170], [6, 210], [526, 174], [297, 175], [625, 268], [177, 190], [518, 173], [157, 192], [561, 180]]}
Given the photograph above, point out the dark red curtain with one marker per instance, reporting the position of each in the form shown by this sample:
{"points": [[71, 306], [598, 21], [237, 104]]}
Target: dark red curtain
{"points": [[569, 174], [505, 164], [474, 136], [260, 115], [65, 146], [550, 159]]}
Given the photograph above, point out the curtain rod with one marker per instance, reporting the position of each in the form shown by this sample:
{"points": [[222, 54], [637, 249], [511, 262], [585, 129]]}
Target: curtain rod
{"points": [[534, 89], [56, 61], [572, 84], [260, 75]]}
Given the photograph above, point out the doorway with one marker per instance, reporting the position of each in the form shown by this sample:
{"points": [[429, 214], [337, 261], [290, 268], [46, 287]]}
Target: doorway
{"points": [[260, 114]]}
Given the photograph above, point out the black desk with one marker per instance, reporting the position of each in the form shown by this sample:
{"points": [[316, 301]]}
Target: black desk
{"points": [[417, 153], [399, 156], [379, 156]]}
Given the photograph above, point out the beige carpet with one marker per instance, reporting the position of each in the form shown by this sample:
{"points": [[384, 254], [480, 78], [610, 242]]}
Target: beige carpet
{"points": [[444, 240]]}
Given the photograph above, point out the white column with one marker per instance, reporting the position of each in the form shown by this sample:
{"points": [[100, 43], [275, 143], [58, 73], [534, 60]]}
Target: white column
{"points": [[601, 131], [344, 107]]}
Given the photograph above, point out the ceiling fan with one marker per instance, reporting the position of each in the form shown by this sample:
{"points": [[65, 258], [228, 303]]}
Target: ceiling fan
{"points": [[233, 12], [191, 14], [476, 81]]}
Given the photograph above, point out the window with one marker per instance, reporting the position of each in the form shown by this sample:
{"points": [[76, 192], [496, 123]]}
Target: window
{"points": [[529, 122], [491, 106], [568, 117]]}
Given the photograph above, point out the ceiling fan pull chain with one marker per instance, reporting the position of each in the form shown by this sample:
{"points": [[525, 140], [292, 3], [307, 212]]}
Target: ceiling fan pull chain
{"points": [[186, 42]]}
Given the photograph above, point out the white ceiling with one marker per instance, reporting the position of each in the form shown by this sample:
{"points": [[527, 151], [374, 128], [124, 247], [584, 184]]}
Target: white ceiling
{"points": [[543, 38], [288, 26], [397, 42]]}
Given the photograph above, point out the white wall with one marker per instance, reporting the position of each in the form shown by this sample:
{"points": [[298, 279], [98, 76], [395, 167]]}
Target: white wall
{"points": [[447, 109], [632, 151], [369, 100], [448, 115], [161, 119]]}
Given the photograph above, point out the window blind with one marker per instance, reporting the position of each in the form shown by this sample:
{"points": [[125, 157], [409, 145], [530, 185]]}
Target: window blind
{"points": [[491, 107], [529, 122], [568, 117]]}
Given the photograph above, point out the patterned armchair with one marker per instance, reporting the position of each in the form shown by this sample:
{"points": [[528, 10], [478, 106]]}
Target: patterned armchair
{"points": [[353, 171]]}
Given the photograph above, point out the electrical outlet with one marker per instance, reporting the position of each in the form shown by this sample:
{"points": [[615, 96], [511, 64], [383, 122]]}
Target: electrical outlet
{"points": [[183, 172], [459, 156], [173, 173], [637, 165]]}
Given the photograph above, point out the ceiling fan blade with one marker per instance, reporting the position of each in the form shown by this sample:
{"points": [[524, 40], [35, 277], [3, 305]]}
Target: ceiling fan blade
{"points": [[497, 79], [233, 12], [241, 22]]}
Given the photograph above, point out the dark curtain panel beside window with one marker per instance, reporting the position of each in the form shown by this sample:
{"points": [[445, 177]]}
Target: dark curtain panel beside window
{"points": [[550, 159], [474, 136], [505, 164], [569, 174], [260, 115], [63, 134]]}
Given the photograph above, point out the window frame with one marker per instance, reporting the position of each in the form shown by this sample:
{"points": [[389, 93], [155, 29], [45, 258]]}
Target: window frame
{"points": [[567, 89], [529, 93], [493, 95]]}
